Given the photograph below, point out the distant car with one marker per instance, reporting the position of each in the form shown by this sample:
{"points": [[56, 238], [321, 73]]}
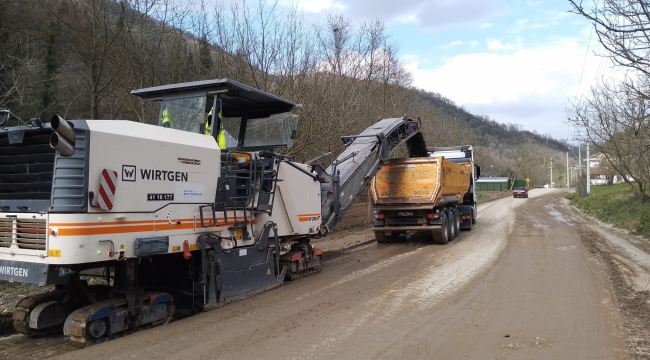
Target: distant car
{"points": [[520, 192]]}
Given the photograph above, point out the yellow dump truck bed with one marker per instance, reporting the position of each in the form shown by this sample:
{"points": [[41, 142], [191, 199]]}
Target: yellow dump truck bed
{"points": [[420, 181]]}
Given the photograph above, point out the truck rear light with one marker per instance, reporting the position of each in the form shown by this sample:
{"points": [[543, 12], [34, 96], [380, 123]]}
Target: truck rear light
{"points": [[465, 217], [379, 216], [432, 216]]}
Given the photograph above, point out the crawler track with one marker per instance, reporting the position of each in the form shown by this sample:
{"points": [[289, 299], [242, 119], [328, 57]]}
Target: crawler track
{"points": [[24, 308], [300, 274]]}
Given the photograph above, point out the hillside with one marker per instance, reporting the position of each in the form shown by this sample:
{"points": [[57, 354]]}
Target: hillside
{"points": [[488, 131], [81, 59]]}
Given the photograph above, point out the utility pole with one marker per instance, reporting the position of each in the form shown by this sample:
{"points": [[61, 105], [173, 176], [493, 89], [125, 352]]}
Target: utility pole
{"points": [[551, 173], [568, 184], [588, 172], [580, 167]]}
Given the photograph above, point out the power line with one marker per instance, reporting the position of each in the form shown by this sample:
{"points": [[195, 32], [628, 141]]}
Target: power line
{"points": [[585, 60]]}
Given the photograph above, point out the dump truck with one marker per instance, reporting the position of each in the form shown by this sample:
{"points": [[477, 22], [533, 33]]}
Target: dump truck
{"points": [[433, 194]]}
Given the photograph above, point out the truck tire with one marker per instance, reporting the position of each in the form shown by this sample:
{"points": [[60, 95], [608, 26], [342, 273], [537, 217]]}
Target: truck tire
{"points": [[473, 217], [451, 221], [441, 236], [381, 237], [457, 221]]}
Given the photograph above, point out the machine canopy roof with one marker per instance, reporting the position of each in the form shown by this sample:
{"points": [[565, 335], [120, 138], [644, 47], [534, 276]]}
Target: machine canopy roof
{"points": [[238, 100]]}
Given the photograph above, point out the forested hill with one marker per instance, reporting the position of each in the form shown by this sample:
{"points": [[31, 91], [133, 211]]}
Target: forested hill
{"points": [[490, 131], [81, 59]]}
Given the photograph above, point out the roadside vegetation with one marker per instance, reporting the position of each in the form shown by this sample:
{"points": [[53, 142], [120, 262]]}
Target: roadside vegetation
{"points": [[613, 117], [617, 205]]}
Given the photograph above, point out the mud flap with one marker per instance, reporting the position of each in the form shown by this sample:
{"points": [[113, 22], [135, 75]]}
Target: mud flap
{"points": [[466, 217], [236, 274], [47, 314]]}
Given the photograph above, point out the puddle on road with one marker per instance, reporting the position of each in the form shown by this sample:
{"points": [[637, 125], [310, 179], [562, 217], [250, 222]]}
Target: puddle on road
{"points": [[557, 215], [539, 225]]}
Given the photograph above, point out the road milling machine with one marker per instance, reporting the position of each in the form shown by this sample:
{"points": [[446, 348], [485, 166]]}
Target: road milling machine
{"points": [[161, 218]]}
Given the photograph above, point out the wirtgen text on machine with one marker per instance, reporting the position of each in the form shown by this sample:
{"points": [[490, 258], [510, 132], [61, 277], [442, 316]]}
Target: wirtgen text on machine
{"points": [[163, 175], [13, 271]]}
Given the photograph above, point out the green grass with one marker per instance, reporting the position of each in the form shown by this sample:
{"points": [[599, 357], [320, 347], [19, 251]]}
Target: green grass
{"points": [[616, 204]]}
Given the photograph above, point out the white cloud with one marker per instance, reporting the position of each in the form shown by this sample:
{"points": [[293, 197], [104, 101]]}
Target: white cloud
{"points": [[458, 43], [486, 25], [314, 6], [426, 13], [443, 13], [494, 44], [529, 86]]}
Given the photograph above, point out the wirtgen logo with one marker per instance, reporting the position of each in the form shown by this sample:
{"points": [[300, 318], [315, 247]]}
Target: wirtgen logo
{"points": [[128, 173]]}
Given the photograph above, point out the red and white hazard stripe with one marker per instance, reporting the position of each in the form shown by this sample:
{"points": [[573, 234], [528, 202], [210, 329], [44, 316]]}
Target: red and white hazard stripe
{"points": [[107, 189]]}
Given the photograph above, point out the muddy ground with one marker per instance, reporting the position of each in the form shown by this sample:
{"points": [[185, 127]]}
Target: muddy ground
{"points": [[349, 233], [533, 280]]}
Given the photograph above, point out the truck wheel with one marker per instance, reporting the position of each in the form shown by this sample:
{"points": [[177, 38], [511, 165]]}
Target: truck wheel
{"points": [[441, 236], [451, 225], [457, 221], [473, 217], [381, 237]]}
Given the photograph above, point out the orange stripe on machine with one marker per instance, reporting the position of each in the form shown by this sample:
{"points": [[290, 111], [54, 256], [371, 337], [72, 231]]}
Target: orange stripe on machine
{"points": [[308, 217], [123, 227]]}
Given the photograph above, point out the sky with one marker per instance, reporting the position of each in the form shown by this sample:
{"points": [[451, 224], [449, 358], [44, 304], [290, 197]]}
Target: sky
{"points": [[514, 61]]}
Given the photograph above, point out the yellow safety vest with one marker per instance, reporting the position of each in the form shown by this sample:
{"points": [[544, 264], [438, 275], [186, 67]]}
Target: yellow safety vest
{"points": [[166, 121], [221, 136], [207, 125]]}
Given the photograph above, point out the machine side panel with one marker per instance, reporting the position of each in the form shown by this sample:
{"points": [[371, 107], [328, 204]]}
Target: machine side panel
{"points": [[297, 206], [151, 172], [70, 175]]}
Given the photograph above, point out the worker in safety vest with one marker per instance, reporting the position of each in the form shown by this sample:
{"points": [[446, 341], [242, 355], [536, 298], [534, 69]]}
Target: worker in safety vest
{"points": [[221, 136], [166, 121]]}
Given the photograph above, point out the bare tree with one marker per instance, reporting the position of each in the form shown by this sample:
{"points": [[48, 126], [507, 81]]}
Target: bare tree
{"points": [[90, 30], [623, 28], [616, 120]]}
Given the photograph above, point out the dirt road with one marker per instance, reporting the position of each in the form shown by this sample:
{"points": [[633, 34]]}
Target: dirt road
{"points": [[532, 280]]}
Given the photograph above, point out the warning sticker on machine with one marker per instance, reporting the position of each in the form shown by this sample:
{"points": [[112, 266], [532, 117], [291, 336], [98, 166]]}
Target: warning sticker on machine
{"points": [[160, 197], [189, 192]]}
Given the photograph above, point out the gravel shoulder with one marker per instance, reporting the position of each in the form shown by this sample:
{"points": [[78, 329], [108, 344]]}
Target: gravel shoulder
{"points": [[626, 260]]}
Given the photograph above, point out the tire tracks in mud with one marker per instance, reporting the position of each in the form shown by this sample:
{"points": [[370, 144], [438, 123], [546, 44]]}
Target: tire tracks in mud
{"points": [[445, 272]]}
